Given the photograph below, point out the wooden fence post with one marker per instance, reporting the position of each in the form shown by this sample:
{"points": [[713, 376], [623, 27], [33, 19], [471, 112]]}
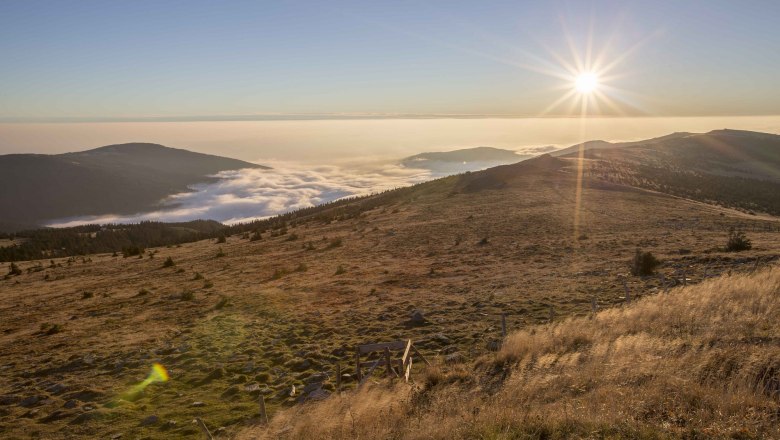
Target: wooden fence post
{"points": [[503, 325], [338, 378], [204, 428], [263, 413], [358, 373], [389, 369], [593, 305], [628, 292]]}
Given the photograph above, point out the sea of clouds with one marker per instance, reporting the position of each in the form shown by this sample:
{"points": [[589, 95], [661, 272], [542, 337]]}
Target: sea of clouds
{"points": [[248, 194]]}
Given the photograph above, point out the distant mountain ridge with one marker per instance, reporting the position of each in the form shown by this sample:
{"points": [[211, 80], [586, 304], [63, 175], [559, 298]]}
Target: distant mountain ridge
{"points": [[115, 179], [457, 161]]}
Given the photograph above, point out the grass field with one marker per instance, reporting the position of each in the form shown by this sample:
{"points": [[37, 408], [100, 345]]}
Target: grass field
{"points": [[241, 319]]}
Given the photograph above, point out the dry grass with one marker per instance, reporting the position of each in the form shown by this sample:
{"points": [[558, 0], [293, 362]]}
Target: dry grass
{"points": [[701, 362], [252, 329]]}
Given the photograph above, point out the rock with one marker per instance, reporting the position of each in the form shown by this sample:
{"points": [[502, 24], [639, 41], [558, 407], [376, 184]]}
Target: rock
{"points": [[441, 339], [197, 404], [9, 400], [56, 389], [303, 365], [449, 349], [85, 395], [151, 420], [417, 318], [317, 378], [310, 388], [70, 404], [252, 387], [116, 436], [230, 392], [319, 394], [56, 415], [218, 373], [29, 401], [169, 424], [248, 368], [454, 358]]}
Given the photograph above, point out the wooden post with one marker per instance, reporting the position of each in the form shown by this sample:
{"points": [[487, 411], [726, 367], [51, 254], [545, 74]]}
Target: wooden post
{"points": [[593, 305], [204, 428], [338, 378], [263, 413], [628, 292], [663, 281], [503, 325], [552, 313], [358, 373], [389, 368], [684, 277]]}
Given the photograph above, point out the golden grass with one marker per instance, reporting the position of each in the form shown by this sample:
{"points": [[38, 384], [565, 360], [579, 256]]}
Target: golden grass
{"points": [[701, 362]]}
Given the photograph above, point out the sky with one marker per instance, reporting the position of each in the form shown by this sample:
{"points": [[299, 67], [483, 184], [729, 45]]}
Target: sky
{"points": [[93, 60]]}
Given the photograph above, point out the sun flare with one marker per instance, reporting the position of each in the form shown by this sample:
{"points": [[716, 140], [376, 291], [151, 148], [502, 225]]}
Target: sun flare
{"points": [[586, 82]]}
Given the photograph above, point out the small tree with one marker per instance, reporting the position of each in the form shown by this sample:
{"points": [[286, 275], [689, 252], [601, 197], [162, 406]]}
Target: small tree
{"points": [[644, 263], [169, 262], [221, 239], [738, 241]]}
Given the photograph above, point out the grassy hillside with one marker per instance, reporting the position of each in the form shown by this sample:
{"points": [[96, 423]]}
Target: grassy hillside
{"points": [[699, 362], [283, 306]]}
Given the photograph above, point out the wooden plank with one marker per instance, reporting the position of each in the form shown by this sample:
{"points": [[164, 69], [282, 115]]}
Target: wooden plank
{"points": [[370, 372], [204, 429], [358, 373], [370, 348], [263, 413], [406, 352], [421, 356], [408, 371], [389, 371]]}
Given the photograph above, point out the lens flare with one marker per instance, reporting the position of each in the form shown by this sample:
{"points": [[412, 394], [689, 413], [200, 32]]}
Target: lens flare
{"points": [[158, 374]]}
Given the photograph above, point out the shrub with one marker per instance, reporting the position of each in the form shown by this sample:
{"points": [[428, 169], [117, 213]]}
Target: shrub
{"points": [[256, 237], [738, 241], [302, 268], [336, 242], [292, 237], [220, 253], [143, 292], [169, 262], [197, 276], [132, 251], [644, 263], [221, 239], [484, 241], [340, 270], [13, 269], [87, 295], [208, 284], [187, 296]]}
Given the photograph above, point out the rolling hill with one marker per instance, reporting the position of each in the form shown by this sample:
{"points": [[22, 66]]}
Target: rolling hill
{"points": [[116, 179], [275, 309], [458, 161]]}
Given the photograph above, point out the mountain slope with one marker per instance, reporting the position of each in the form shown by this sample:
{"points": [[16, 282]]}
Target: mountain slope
{"points": [[116, 179], [701, 362], [733, 168]]}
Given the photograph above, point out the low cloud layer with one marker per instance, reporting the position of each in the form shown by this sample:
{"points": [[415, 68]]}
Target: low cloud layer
{"points": [[249, 194]]}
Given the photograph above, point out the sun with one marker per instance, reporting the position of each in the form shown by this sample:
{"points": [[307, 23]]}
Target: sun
{"points": [[586, 82]]}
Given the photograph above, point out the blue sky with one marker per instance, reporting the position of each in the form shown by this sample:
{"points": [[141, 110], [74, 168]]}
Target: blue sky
{"points": [[146, 59]]}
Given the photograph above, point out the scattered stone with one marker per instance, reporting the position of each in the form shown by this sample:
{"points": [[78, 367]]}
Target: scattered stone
{"points": [[169, 424], [252, 387], [56, 415], [56, 389], [116, 436], [151, 420], [319, 394], [441, 339], [70, 404], [30, 401], [197, 404], [9, 400], [230, 392], [417, 318]]}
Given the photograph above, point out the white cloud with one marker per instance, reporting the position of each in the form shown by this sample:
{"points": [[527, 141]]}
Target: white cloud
{"points": [[248, 194]]}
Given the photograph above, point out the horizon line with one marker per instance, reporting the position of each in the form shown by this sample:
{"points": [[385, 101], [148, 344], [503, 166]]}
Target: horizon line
{"points": [[333, 117]]}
